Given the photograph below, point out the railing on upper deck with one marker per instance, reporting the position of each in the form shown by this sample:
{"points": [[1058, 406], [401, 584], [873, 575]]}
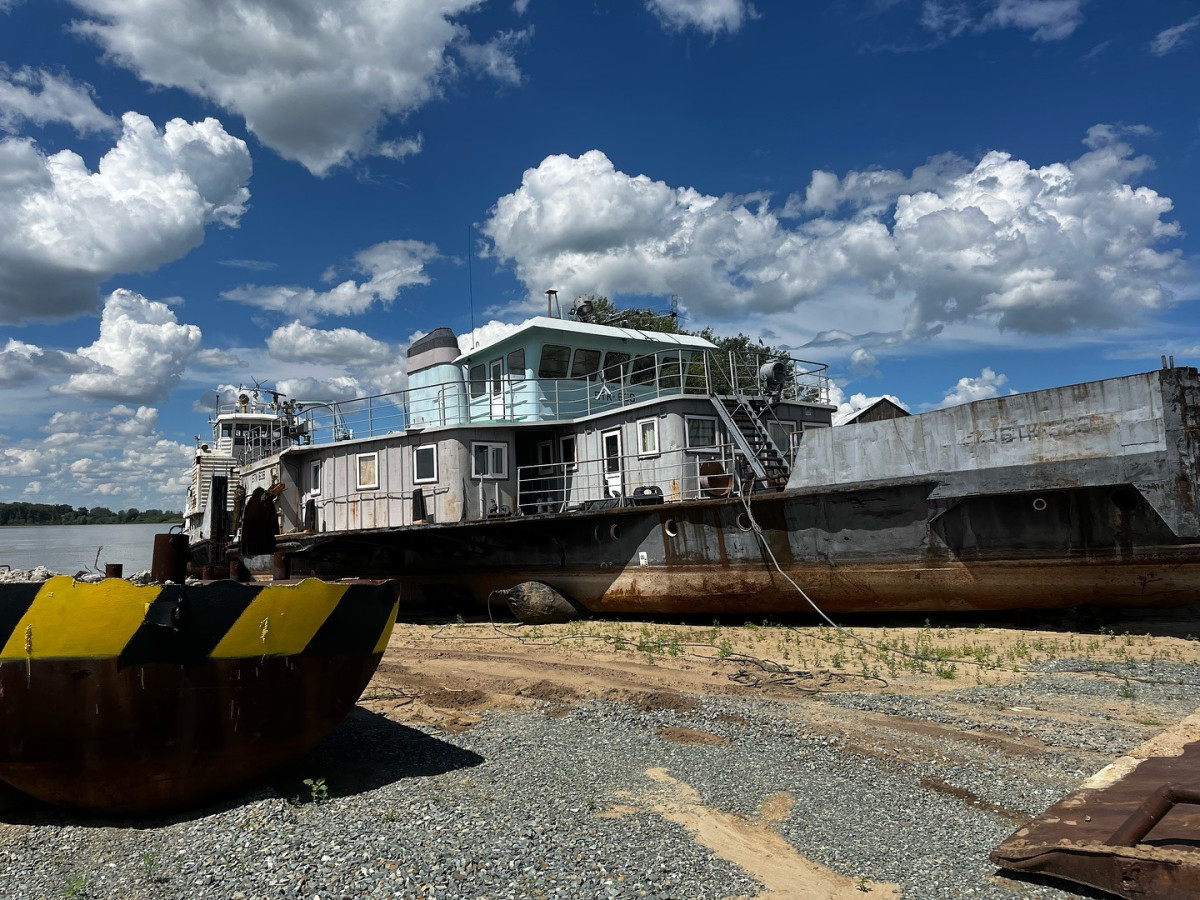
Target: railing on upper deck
{"points": [[668, 373]]}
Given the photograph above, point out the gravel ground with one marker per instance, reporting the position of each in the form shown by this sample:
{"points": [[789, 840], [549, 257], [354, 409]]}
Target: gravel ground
{"points": [[516, 807], [572, 791]]}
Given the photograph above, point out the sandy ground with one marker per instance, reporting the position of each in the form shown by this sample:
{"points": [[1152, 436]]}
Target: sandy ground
{"points": [[447, 675]]}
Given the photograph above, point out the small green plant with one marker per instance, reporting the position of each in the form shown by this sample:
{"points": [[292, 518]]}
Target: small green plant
{"points": [[1127, 691], [316, 786], [863, 884], [76, 887]]}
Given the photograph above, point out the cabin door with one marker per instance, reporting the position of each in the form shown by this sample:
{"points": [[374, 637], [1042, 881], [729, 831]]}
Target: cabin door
{"points": [[496, 388], [614, 485]]}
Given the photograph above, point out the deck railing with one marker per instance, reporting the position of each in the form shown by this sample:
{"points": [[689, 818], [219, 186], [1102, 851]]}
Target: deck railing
{"points": [[668, 373], [630, 480]]}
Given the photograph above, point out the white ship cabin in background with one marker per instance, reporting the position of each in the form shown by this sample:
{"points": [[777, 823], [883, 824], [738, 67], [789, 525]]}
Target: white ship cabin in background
{"points": [[558, 415]]}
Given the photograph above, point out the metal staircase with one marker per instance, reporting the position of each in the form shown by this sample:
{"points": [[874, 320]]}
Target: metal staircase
{"points": [[743, 418]]}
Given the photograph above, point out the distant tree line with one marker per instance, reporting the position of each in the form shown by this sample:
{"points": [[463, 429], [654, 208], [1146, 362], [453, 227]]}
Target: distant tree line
{"points": [[64, 514]]}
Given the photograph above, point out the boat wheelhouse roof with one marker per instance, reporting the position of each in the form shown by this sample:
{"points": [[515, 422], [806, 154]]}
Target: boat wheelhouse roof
{"points": [[576, 332]]}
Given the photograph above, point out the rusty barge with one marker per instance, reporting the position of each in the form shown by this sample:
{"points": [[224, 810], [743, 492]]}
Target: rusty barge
{"points": [[637, 472]]}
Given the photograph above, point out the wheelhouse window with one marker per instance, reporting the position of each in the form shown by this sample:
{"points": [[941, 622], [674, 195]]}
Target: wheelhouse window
{"points": [[489, 460], [585, 363], [425, 464], [555, 360], [647, 430], [478, 379], [701, 432], [516, 365], [670, 372], [566, 448], [613, 361], [314, 478], [368, 471], [642, 371]]}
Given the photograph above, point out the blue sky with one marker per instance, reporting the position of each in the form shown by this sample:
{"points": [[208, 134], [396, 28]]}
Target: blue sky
{"points": [[942, 199]]}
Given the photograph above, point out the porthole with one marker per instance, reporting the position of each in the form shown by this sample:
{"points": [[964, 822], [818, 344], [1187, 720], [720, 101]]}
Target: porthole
{"points": [[671, 527], [743, 522], [1039, 504], [598, 533], [614, 531]]}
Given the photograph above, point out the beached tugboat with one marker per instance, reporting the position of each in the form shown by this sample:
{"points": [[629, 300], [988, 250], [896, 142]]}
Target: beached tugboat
{"points": [[636, 472]]}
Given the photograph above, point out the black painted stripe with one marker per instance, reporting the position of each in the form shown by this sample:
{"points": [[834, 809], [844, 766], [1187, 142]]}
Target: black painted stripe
{"points": [[354, 626], [15, 600], [184, 624]]}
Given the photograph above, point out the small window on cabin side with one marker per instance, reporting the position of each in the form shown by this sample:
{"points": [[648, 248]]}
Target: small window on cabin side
{"points": [[368, 471], [643, 370], [701, 432], [647, 437], [478, 379], [516, 365], [314, 478], [489, 460], [555, 359], [586, 362], [566, 446], [425, 464], [613, 361]]}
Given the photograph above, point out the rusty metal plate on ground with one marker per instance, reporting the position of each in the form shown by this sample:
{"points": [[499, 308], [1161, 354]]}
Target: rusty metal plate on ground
{"points": [[1132, 829]]}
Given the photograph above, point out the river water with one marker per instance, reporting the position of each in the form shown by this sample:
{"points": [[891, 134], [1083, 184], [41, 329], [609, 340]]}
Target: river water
{"points": [[69, 549]]}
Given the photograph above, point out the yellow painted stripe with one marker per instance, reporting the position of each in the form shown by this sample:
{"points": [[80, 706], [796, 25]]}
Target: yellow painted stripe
{"points": [[79, 620], [386, 634], [281, 620]]}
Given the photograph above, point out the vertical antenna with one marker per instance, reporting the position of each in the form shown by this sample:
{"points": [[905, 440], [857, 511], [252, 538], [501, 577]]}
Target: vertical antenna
{"points": [[471, 288]]}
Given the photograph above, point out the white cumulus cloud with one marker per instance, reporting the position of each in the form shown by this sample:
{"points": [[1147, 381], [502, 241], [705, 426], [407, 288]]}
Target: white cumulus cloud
{"points": [[65, 229], [344, 346], [40, 97], [707, 16], [986, 385], [1036, 249], [140, 353], [389, 267], [315, 81]]}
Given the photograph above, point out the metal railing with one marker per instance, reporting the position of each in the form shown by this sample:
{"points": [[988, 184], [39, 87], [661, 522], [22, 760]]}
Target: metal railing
{"points": [[667, 373], [629, 480]]}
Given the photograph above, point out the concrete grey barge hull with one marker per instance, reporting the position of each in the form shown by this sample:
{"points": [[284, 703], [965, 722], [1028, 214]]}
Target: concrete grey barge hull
{"points": [[1085, 494]]}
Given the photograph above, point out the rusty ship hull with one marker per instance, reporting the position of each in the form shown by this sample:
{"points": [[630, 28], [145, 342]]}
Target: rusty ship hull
{"points": [[1077, 495], [124, 699]]}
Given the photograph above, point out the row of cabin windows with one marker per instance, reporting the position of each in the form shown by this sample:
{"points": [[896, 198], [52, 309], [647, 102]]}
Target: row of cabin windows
{"points": [[488, 460], [559, 362]]}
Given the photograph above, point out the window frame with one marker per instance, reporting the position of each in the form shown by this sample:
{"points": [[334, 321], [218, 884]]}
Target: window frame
{"points": [[543, 372], [644, 370], [687, 434], [359, 459], [492, 447], [477, 382], [516, 364], [656, 450], [417, 479], [590, 369], [569, 461], [314, 477]]}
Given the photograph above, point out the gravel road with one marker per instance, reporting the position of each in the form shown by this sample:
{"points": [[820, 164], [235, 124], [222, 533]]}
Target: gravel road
{"points": [[563, 769]]}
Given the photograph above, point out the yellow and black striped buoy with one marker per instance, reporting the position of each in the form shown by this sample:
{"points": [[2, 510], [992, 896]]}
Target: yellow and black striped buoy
{"points": [[123, 698]]}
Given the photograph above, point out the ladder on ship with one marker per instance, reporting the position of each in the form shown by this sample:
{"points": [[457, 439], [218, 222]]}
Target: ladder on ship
{"points": [[743, 417]]}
